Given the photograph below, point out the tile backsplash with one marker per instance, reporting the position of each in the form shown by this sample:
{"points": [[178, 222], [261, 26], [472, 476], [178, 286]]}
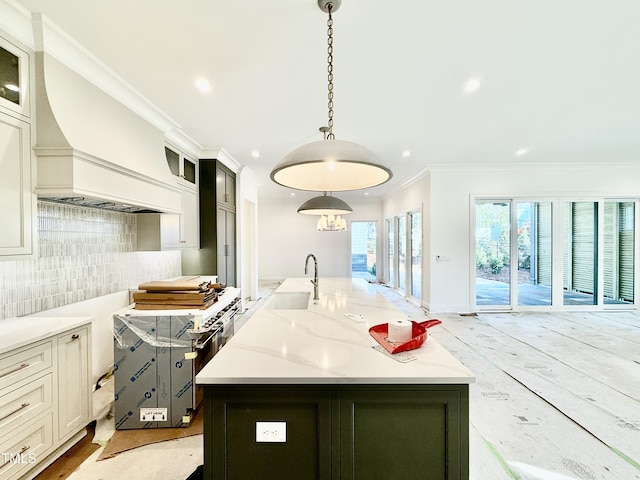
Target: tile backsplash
{"points": [[83, 253]]}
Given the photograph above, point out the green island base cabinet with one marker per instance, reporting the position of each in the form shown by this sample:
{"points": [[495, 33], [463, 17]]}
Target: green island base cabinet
{"points": [[303, 392], [361, 432]]}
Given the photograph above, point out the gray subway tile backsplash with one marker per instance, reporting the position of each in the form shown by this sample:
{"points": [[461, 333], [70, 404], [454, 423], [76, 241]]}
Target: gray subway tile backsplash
{"points": [[83, 253]]}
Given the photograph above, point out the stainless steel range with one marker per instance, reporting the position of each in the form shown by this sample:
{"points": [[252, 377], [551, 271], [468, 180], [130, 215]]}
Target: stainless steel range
{"points": [[157, 354]]}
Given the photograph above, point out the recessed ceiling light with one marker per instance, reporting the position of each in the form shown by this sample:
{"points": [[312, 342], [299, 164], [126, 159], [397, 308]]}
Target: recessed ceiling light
{"points": [[293, 194], [366, 193], [472, 85], [521, 151], [12, 86], [406, 153], [255, 154], [203, 85]]}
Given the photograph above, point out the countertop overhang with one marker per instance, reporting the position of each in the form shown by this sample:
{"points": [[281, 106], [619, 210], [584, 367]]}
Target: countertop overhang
{"points": [[321, 345]]}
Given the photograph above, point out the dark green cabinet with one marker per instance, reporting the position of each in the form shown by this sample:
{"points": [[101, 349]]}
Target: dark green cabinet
{"points": [[217, 254], [366, 432]]}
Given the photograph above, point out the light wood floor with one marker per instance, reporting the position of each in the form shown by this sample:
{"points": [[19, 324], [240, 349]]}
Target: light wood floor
{"points": [[557, 395]]}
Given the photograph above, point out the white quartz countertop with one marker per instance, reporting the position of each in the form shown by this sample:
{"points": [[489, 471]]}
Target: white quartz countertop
{"points": [[19, 331], [321, 345]]}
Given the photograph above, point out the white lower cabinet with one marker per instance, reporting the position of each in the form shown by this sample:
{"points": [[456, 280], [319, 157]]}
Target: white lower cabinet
{"points": [[44, 400], [73, 381]]}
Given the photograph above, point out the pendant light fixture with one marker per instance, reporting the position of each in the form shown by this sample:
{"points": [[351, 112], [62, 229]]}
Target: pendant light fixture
{"points": [[325, 205], [330, 165], [329, 208], [331, 223]]}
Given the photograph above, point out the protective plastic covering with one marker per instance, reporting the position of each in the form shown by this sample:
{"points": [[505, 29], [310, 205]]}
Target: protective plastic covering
{"points": [[145, 329]]}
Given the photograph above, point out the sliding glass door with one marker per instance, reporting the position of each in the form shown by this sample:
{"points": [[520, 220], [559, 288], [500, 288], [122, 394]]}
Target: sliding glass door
{"points": [[493, 253], [534, 250], [516, 265], [618, 270], [580, 281], [391, 253]]}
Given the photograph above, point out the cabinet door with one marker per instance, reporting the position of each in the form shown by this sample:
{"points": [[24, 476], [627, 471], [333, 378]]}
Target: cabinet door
{"points": [[404, 433], [226, 248], [16, 197], [190, 219], [15, 79], [234, 450], [189, 170], [73, 381], [225, 186]]}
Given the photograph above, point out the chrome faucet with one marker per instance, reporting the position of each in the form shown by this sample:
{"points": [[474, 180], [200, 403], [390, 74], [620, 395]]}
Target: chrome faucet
{"points": [[315, 275]]}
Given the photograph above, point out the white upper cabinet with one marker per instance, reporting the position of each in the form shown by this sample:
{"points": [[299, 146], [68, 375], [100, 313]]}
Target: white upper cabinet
{"points": [[174, 231], [17, 214]]}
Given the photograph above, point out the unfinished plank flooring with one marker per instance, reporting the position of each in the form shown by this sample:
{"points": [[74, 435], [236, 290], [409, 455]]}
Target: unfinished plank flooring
{"points": [[554, 398]]}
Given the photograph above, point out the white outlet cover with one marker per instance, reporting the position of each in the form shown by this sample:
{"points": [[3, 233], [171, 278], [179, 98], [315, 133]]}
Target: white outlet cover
{"points": [[271, 432]]}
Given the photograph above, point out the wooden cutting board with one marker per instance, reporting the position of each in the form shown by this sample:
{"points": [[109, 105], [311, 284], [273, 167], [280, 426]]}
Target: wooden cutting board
{"points": [[179, 284]]}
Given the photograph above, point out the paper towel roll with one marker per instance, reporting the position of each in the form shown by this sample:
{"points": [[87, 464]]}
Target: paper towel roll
{"points": [[400, 330]]}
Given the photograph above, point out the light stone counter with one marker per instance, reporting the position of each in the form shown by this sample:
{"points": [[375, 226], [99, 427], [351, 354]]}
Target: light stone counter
{"points": [[20, 331], [321, 345]]}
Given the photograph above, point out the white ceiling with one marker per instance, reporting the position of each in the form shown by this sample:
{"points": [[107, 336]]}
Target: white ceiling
{"points": [[556, 77]]}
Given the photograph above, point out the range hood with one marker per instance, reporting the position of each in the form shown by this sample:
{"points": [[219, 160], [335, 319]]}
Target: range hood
{"points": [[92, 150]]}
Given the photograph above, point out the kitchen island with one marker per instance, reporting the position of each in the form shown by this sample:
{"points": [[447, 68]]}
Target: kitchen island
{"points": [[303, 391]]}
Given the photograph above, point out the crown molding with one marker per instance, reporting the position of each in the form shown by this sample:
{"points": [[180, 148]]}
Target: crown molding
{"points": [[221, 155], [16, 21]]}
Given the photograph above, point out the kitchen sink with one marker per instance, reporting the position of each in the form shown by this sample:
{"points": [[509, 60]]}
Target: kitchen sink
{"points": [[288, 301]]}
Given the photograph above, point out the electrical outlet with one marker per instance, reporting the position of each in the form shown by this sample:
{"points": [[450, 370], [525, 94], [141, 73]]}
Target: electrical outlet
{"points": [[273, 432]]}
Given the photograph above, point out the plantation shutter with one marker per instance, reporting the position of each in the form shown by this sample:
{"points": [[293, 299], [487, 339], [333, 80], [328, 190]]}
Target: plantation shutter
{"points": [[583, 254], [626, 259], [543, 234], [610, 253]]}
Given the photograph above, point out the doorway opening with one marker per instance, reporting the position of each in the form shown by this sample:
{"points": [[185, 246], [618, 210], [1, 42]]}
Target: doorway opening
{"points": [[363, 249]]}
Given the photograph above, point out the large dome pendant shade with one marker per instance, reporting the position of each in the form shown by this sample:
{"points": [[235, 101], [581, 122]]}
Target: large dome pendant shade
{"points": [[330, 165]]}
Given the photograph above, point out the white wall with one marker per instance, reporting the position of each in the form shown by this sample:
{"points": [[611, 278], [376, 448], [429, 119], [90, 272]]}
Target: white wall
{"points": [[247, 233], [285, 237]]}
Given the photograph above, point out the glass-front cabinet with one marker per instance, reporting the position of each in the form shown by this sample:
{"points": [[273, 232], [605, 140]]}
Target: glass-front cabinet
{"points": [[181, 166], [14, 79]]}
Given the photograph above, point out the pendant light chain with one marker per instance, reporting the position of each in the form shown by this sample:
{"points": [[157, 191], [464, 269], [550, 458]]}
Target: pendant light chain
{"points": [[330, 135]]}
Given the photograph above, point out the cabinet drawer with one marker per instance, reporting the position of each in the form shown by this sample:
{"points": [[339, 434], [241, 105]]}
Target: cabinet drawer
{"points": [[25, 447], [20, 364], [25, 403]]}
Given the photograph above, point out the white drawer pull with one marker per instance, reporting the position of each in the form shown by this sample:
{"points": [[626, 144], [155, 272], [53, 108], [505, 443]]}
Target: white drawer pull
{"points": [[21, 367], [7, 462], [21, 407]]}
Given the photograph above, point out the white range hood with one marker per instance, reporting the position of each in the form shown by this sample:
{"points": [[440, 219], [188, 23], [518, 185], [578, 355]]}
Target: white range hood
{"points": [[91, 149]]}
